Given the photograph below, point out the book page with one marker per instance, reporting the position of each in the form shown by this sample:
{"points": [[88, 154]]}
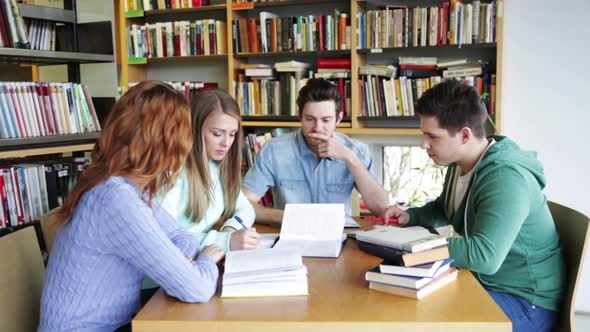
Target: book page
{"points": [[350, 222], [320, 222], [262, 260]]}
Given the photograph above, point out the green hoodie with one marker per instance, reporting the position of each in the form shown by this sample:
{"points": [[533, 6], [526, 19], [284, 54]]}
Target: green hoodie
{"points": [[508, 238]]}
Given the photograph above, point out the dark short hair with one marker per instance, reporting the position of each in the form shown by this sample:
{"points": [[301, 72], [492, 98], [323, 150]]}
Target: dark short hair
{"points": [[316, 90], [455, 104]]}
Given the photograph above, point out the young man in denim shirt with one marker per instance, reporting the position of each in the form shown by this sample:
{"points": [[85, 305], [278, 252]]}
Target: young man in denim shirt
{"points": [[315, 164]]}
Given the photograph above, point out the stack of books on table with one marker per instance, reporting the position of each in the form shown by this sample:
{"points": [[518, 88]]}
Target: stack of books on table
{"points": [[416, 261], [264, 272], [414, 282], [406, 246]]}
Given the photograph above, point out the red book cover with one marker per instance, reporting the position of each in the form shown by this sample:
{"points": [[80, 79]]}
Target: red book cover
{"points": [[207, 85], [176, 40], [342, 96], [197, 3], [17, 196], [4, 28], [253, 36], [5, 218], [5, 41], [321, 31], [164, 44], [333, 63], [243, 32], [363, 95], [378, 90], [212, 43], [273, 34], [445, 23]]}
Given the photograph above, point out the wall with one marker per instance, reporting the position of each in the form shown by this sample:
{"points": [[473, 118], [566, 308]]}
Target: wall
{"points": [[101, 78], [546, 47]]}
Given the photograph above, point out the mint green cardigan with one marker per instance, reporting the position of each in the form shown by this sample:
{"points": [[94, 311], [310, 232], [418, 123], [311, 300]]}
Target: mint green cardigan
{"points": [[176, 202]]}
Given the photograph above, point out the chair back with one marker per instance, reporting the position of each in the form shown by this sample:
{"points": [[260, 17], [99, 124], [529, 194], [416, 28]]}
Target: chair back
{"points": [[574, 234], [49, 225], [21, 280]]}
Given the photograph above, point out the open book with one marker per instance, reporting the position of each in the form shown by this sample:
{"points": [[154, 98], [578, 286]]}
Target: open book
{"points": [[315, 229], [264, 272]]}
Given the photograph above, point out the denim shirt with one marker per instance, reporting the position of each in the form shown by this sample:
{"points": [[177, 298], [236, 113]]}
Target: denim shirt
{"points": [[299, 176]]}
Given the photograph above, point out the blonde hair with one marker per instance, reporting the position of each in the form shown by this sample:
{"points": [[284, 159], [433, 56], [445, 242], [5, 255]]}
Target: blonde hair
{"points": [[203, 105]]}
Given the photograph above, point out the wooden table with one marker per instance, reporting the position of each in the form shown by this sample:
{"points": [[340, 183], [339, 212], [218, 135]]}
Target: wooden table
{"points": [[339, 300]]}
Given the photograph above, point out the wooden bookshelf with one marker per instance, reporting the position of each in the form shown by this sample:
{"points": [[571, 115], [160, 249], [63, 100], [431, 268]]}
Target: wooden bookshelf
{"points": [[285, 3], [421, 48], [23, 153], [231, 62], [328, 54], [209, 8]]}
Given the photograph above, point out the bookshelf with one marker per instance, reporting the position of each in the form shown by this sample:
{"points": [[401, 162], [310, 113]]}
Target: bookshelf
{"points": [[73, 56], [229, 64], [37, 142]]}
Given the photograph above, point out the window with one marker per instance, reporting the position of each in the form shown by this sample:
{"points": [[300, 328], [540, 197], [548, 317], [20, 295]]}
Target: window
{"points": [[410, 177]]}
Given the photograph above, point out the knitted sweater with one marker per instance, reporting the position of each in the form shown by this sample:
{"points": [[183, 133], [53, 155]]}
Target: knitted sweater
{"points": [[99, 258]]}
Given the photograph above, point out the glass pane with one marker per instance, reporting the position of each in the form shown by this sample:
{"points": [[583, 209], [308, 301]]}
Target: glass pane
{"points": [[410, 177]]}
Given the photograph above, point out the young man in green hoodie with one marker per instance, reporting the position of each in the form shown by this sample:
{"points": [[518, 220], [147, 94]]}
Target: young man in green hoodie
{"points": [[493, 198]]}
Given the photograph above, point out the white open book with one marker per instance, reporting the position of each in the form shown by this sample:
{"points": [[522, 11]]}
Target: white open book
{"points": [[316, 229], [264, 272]]}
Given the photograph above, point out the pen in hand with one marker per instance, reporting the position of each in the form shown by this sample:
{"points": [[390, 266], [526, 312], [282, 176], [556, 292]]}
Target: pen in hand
{"points": [[244, 239], [238, 219]]}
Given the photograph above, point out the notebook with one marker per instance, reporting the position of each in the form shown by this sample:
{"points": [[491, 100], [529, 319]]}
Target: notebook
{"points": [[264, 272], [315, 229]]}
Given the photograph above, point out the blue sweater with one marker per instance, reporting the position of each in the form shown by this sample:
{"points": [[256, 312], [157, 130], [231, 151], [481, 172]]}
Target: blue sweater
{"points": [[99, 258]]}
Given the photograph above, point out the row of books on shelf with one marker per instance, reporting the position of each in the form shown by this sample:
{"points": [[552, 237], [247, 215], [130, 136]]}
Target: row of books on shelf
{"points": [[188, 88], [28, 191], [13, 33], [272, 89], [416, 264], [293, 33], [30, 109], [179, 38], [384, 95], [451, 23], [41, 34], [253, 142], [133, 5]]}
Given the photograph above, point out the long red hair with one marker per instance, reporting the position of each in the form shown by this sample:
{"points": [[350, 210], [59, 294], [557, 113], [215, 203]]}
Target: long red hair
{"points": [[147, 136]]}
